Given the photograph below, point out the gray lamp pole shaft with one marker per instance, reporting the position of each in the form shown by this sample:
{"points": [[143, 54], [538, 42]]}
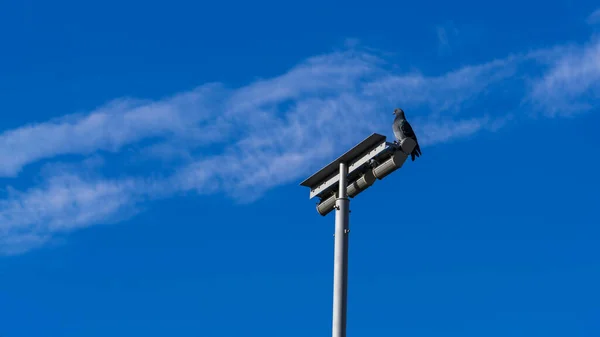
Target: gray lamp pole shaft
{"points": [[340, 262]]}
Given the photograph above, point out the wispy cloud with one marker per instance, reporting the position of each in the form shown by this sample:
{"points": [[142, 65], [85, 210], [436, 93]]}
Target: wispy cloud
{"points": [[110, 127], [445, 34], [594, 18], [63, 203], [216, 139], [572, 82]]}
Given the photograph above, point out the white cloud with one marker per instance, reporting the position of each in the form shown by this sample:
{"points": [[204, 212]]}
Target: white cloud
{"points": [[265, 134], [572, 82], [445, 33], [62, 204], [444, 93], [594, 18], [109, 128]]}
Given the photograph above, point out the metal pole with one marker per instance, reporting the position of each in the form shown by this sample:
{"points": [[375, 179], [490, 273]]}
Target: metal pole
{"points": [[340, 262]]}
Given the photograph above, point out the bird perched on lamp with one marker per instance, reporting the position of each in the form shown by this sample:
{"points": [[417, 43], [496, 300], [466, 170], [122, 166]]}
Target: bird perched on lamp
{"points": [[403, 130]]}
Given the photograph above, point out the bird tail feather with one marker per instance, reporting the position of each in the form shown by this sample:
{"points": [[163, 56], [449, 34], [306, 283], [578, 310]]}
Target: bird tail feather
{"points": [[416, 152]]}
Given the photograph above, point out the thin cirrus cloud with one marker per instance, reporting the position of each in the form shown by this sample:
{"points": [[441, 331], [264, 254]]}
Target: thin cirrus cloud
{"points": [[594, 18], [572, 84], [108, 128], [284, 127]]}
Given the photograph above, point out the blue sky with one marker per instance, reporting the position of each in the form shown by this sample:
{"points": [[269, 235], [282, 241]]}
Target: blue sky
{"points": [[151, 155]]}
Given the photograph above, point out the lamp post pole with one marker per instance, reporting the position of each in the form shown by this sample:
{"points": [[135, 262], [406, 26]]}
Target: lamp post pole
{"points": [[340, 262], [351, 180]]}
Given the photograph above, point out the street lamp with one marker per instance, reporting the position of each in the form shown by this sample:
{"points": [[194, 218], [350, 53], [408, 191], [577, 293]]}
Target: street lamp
{"points": [[347, 176]]}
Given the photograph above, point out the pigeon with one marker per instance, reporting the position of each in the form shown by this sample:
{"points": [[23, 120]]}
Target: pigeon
{"points": [[402, 130]]}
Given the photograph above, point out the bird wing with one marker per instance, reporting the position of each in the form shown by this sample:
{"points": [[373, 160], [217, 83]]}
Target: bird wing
{"points": [[407, 130]]}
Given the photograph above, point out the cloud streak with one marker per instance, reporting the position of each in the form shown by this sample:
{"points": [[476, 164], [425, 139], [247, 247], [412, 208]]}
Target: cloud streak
{"points": [[445, 33], [62, 204], [216, 139], [594, 18], [572, 83]]}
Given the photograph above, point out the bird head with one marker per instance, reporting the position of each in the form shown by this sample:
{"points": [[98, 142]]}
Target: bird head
{"points": [[399, 112]]}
